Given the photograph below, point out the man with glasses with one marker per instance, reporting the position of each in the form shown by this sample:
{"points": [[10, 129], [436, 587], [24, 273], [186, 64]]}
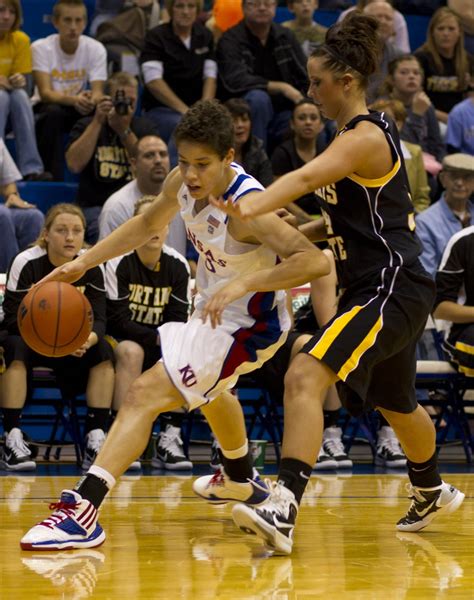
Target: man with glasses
{"points": [[264, 63]]}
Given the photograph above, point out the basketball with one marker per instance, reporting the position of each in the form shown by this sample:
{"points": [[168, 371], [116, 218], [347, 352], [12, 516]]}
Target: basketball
{"points": [[55, 319]]}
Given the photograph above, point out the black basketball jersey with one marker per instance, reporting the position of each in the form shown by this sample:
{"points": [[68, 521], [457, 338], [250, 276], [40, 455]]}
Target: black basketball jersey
{"points": [[139, 299], [370, 222]]}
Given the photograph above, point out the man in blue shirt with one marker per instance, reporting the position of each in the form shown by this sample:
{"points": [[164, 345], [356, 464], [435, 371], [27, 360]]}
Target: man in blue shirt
{"points": [[451, 213]]}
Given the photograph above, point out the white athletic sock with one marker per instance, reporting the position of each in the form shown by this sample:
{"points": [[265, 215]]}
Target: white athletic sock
{"points": [[237, 453]]}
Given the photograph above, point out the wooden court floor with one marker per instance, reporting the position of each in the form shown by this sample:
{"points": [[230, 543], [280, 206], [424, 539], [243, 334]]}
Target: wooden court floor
{"points": [[165, 543]]}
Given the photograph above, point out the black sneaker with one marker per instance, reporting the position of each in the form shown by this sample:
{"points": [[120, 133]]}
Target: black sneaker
{"points": [[169, 453], [273, 521], [389, 452], [94, 442], [325, 462], [15, 454], [427, 504]]}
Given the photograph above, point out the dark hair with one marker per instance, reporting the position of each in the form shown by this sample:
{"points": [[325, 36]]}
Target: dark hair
{"points": [[16, 6], [209, 123], [305, 101], [60, 3], [387, 85], [238, 107], [352, 46], [120, 79]]}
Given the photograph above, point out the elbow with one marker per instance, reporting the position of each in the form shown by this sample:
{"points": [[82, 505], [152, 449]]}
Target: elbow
{"points": [[73, 164]]}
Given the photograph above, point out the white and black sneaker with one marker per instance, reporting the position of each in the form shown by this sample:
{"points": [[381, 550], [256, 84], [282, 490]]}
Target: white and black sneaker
{"points": [[216, 461], [334, 447], [15, 454], [94, 441], [169, 452], [389, 452], [427, 504], [325, 462], [273, 521]]}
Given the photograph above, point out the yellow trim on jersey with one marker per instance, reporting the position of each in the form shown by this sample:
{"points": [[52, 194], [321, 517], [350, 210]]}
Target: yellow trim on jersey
{"points": [[464, 347], [373, 183], [366, 343], [332, 332], [468, 372]]}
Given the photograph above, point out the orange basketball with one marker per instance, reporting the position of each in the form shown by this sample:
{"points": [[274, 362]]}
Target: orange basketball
{"points": [[55, 318]]}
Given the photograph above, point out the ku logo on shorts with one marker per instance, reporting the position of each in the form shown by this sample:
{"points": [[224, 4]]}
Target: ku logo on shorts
{"points": [[188, 377]]}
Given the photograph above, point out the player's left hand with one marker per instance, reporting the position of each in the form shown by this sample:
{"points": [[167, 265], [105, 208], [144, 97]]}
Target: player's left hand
{"points": [[239, 210], [216, 305]]}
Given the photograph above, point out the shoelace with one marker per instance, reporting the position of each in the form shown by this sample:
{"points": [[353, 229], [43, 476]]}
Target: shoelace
{"points": [[172, 443], [96, 441], [392, 445], [217, 478], [18, 446], [277, 499], [334, 446], [62, 511]]}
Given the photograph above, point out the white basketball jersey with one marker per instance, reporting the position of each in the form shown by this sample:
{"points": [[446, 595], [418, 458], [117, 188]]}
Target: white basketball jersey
{"points": [[222, 258]]}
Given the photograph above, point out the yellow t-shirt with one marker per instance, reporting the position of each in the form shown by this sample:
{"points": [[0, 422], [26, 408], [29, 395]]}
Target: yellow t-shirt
{"points": [[15, 54]]}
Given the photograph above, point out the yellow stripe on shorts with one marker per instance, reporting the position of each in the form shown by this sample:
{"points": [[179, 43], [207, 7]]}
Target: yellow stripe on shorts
{"points": [[366, 343], [333, 331], [464, 347]]}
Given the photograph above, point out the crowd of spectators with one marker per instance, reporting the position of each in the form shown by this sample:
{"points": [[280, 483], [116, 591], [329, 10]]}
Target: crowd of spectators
{"points": [[75, 102]]}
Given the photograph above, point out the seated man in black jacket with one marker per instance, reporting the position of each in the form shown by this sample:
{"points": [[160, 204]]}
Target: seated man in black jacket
{"points": [[263, 62], [146, 288]]}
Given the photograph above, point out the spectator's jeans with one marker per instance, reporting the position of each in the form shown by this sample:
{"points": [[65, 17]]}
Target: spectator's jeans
{"points": [[267, 125], [19, 227], [16, 105], [92, 214], [166, 118]]}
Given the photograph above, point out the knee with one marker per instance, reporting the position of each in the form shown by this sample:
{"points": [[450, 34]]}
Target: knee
{"points": [[34, 220], [140, 397], [258, 99], [301, 377], [4, 99], [129, 356], [20, 98]]}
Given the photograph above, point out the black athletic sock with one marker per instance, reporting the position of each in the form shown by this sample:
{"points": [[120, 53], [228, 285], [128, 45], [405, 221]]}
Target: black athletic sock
{"points": [[97, 418], [238, 469], [11, 418], [425, 475], [92, 488], [170, 418], [295, 474], [383, 421], [330, 418]]}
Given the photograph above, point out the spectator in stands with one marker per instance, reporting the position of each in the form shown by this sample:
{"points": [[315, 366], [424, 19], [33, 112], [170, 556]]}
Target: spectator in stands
{"points": [[404, 82], [20, 221], [146, 288], [308, 32], [249, 150], [65, 64], [150, 165], [455, 296], [399, 37], [463, 8], [88, 369], [263, 62], [383, 12], [100, 147], [304, 144], [451, 213], [15, 80], [412, 154], [447, 66], [124, 35], [460, 131], [178, 68]]}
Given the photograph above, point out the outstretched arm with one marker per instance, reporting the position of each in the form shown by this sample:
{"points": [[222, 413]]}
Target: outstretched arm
{"points": [[130, 235]]}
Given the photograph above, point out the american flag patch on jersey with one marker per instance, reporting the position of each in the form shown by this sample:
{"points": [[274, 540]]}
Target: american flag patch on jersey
{"points": [[213, 221]]}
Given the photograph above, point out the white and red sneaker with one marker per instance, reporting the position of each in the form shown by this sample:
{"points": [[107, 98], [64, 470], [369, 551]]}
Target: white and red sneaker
{"points": [[73, 524], [220, 489]]}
